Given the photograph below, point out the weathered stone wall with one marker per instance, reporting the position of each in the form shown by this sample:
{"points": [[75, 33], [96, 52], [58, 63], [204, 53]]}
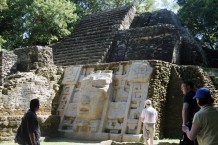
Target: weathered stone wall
{"points": [[7, 64], [42, 82], [33, 57], [173, 120], [92, 37], [212, 57], [157, 35], [158, 90], [145, 43], [173, 107], [163, 16], [191, 53], [200, 78], [101, 101]]}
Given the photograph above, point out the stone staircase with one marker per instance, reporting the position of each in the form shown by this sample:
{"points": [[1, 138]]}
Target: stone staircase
{"points": [[91, 38], [213, 73]]}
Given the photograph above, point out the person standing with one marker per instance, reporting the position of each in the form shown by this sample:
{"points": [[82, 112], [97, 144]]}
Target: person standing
{"points": [[205, 121], [189, 108], [30, 125], [149, 119]]}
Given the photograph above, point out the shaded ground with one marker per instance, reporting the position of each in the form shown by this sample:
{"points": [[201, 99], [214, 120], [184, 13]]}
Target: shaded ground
{"points": [[59, 141], [64, 141]]}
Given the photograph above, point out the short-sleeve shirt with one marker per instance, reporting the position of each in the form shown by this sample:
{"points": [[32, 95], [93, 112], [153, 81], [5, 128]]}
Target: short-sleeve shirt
{"points": [[31, 125], [207, 118], [149, 114], [193, 107]]}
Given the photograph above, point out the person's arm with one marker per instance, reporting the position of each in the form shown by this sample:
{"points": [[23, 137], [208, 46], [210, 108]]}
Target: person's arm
{"points": [[31, 123], [156, 115], [142, 116], [184, 113], [32, 138], [192, 134]]}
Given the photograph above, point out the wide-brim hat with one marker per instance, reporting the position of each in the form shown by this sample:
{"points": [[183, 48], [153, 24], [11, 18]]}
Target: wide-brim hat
{"points": [[147, 102]]}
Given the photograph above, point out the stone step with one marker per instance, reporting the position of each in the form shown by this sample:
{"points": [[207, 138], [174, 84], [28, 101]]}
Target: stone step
{"points": [[94, 17], [70, 46], [97, 23], [102, 22], [91, 36], [83, 48], [85, 58], [94, 52], [70, 50], [92, 31], [76, 62], [100, 50], [96, 33], [87, 41], [92, 28]]}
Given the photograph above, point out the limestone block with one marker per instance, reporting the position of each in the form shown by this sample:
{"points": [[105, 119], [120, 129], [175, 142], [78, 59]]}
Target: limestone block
{"points": [[117, 137], [132, 123], [114, 125], [71, 110], [116, 110], [70, 75], [132, 138], [140, 72], [94, 89], [134, 114]]}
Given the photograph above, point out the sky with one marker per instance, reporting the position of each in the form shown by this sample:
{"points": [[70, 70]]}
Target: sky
{"points": [[159, 4]]}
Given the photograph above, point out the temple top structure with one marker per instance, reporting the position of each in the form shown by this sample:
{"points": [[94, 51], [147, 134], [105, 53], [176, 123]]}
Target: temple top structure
{"points": [[123, 34]]}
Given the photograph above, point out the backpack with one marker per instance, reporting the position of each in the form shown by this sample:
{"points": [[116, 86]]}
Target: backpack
{"points": [[19, 138]]}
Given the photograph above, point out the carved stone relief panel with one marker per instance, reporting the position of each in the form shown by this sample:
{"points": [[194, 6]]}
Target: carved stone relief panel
{"points": [[105, 99]]}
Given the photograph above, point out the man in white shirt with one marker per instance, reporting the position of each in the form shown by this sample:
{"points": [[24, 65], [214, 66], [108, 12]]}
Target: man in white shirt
{"points": [[149, 118]]}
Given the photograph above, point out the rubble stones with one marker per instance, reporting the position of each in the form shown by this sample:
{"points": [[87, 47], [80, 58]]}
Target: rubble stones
{"points": [[33, 57]]}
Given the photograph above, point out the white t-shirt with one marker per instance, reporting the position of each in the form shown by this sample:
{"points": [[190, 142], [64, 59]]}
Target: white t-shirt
{"points": [[149, 114]]}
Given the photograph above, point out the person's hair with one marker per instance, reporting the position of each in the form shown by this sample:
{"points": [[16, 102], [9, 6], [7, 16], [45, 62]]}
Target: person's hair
{"points": [[189, 83], [205, 101], [34, 103]]}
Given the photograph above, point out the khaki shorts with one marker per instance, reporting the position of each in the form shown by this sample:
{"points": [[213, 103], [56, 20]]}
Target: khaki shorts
{"points": [[148, 130]]}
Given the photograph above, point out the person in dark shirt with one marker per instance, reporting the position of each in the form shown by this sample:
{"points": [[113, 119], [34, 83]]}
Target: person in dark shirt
{"points": [[189, 108], [30, 124]]}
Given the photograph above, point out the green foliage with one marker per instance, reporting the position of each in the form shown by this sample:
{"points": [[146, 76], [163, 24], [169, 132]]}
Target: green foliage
{"points": [[201, 16], [36, 22], [2, 42], [3, 5], [94, 6]]}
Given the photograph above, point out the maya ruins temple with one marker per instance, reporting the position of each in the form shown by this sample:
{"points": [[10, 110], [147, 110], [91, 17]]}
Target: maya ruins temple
{"points": [[93, 83]]}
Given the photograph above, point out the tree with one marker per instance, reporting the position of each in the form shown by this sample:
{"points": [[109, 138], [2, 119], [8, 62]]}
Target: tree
{"points": [[36, 22], [201, 16], [2, 42], [94, 6]]}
